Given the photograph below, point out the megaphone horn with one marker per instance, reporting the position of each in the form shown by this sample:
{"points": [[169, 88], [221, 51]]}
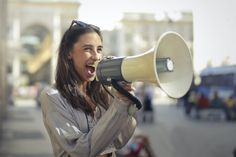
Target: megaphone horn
{"points": [[168, 65]]}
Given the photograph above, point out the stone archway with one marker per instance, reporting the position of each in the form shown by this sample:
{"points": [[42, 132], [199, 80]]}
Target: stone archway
{"points": [[36, 44], [32, 38]]}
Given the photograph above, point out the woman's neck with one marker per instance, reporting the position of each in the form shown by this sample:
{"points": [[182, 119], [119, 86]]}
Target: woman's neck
{"points": [[83, 87]]}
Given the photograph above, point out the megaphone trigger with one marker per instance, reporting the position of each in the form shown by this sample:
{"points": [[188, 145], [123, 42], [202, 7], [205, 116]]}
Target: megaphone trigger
{"points": [[120, 89]]}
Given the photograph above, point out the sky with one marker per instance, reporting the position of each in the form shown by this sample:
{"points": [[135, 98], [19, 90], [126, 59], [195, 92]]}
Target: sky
{"points": [[214, 23]]}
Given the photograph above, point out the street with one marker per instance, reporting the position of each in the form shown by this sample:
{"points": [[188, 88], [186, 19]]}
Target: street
{"points": [[174, 135], [171, 135]]}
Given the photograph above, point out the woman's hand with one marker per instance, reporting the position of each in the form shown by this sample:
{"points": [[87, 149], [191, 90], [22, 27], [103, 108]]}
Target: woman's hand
{"points": [[128, 87]]}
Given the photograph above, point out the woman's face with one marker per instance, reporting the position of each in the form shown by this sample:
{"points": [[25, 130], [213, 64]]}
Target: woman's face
{"points": [[85, 53]]}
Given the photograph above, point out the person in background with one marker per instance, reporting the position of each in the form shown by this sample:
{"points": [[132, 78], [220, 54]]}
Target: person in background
{"points": [[234, 152], [230, 103], [80, 116], [192, 102], [148, 111], [202, 103], [218, 103]]}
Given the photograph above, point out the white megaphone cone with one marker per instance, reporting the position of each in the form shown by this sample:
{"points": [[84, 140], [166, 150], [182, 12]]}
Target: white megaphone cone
{"points": [[168, 65]]}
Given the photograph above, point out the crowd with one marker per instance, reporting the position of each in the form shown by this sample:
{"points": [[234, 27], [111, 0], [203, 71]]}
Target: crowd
{"points": [[198, 101]]}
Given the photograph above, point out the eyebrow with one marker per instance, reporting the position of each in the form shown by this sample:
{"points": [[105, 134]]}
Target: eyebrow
{"points": [[89, 45]]}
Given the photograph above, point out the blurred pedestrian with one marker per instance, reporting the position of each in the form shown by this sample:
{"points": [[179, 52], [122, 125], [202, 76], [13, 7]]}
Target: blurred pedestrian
{"points": [[230, 104], [192, 102], [218, 103], [202, 103], [148, 112], [234, 152]]}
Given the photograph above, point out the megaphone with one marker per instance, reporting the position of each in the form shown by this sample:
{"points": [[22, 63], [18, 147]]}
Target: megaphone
{"points": [[168, 65]]}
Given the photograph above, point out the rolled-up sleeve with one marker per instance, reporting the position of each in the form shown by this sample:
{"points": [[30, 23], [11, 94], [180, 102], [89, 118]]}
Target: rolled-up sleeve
{"points": [[126, 133], [64, 130]]}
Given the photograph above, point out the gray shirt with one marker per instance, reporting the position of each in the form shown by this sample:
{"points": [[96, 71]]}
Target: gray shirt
{"points": [[75, 134]]}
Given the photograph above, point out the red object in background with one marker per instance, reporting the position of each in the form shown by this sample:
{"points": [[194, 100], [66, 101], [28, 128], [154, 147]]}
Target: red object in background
{"points": [[135, 150], [139, 146], [203, 102]]}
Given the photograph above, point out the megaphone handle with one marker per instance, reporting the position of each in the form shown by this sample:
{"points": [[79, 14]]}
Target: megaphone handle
{"points": [[120, 89]]}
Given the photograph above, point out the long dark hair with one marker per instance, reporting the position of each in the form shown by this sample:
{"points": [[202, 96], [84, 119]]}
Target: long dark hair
{"points": [[67, 79]]}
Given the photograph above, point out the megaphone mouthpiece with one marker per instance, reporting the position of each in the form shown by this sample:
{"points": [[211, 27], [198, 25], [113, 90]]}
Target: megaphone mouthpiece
{"points": [[108, 69]]}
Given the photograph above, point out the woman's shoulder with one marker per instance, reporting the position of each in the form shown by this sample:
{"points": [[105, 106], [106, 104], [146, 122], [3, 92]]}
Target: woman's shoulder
{"points": [[50, 90], [50, 97], [51, 94]]}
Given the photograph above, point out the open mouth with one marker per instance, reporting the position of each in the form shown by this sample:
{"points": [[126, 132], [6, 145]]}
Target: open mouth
{"points": [[90, 69]]}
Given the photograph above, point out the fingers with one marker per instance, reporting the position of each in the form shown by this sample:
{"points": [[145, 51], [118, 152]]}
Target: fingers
{"points": [[128, 87]]}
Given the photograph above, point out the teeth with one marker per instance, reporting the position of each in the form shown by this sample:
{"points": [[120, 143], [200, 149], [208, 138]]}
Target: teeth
{"points": [[92, 66]]}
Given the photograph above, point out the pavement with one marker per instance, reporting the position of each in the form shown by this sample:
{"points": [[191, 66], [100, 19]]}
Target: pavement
{"points": [[23, 133], [171, 135], [175, 135]]}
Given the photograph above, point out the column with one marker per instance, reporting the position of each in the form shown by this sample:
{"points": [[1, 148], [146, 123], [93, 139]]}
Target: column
{"points": [[56, 37], [3, 49]]}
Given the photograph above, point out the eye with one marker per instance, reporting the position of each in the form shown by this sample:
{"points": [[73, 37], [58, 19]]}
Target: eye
{"points": [[87, 49], [99, 50]]}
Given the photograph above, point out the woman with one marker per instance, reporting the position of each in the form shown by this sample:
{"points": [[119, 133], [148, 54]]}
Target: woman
{"points": [[81, 118]]}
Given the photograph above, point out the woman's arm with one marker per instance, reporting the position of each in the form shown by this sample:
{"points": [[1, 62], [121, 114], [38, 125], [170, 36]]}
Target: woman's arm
{"points": [[64, 130], [126, 133], [128, 129]]}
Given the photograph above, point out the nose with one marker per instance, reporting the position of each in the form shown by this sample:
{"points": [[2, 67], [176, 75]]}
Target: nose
{"points": [[96, 56]]}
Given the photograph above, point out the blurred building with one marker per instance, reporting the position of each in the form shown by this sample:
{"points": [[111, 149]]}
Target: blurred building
{"points": [[36, 26], [34, 33], [138, 32]]}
